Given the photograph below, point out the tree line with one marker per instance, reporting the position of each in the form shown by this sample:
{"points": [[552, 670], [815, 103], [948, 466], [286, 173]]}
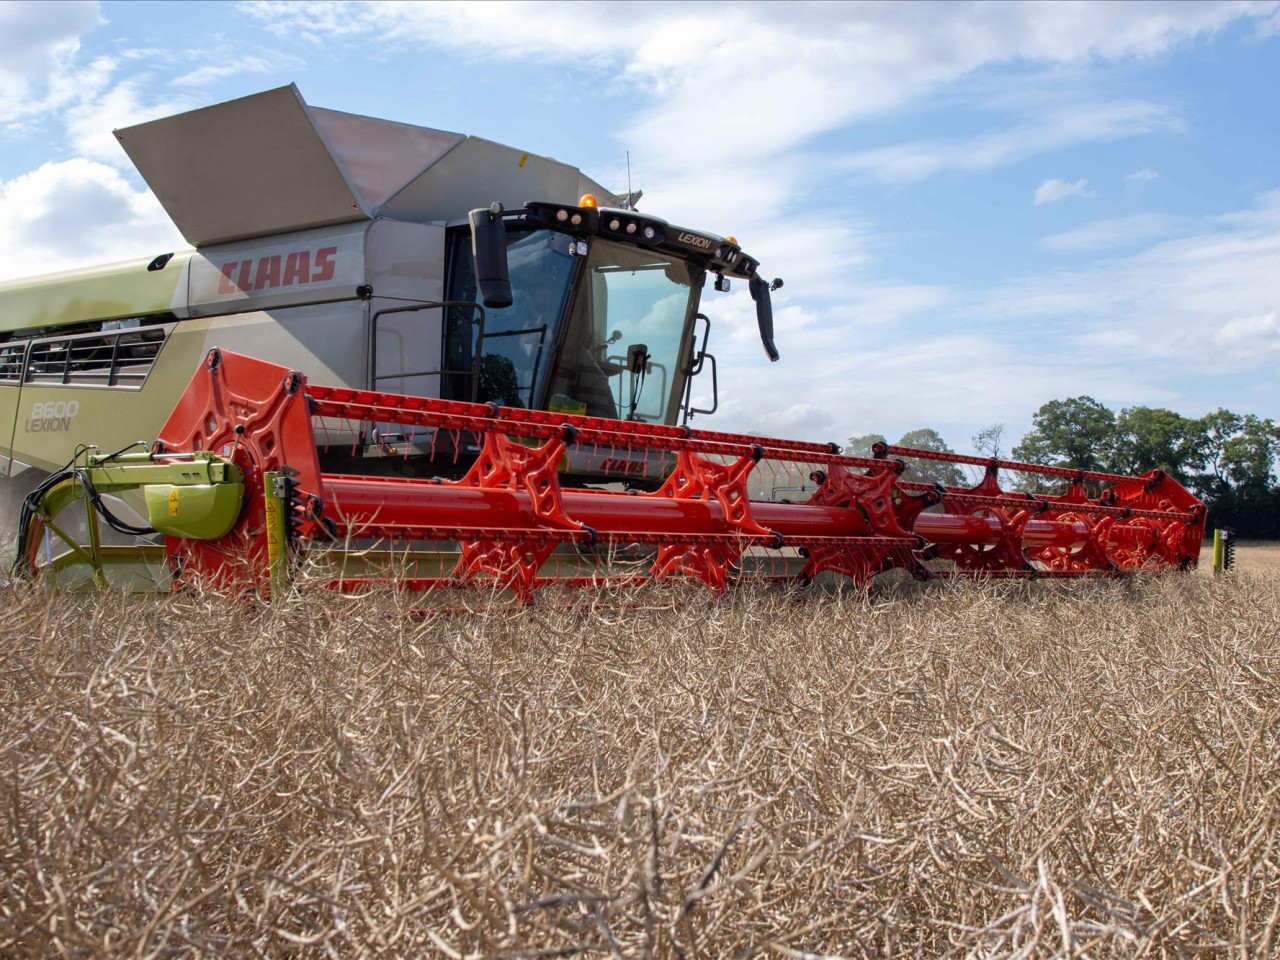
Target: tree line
{"points": [[1227, 459]]}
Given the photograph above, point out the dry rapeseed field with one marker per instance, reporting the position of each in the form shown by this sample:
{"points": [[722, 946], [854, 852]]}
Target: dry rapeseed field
{"points": [[988, 770], [1252, 556]]}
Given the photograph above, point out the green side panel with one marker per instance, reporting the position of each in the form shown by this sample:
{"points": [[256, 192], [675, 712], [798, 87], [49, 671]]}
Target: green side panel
{"points": [[109, 417], [108, 292], [8, 421], [197, 512]]}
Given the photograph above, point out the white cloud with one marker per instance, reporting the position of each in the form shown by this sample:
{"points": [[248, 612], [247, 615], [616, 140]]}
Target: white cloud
{"points": [[1053, 190], [1250, 336], [38, 43], [1123, 330], [755, 80], [101, 102], [43, 75], [226, 67], [1066, 127], [569, 31], [830, 385], [91, 119], [890, 303], [1144, 175], [796, 420], [1162, 303], [1116, 233], [76, 212]]}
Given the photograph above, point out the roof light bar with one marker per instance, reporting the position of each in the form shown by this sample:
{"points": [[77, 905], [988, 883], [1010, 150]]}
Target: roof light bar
{"points": [[721, 254]]}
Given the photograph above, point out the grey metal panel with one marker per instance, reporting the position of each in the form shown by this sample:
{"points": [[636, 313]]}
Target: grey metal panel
{"points": [[405, 260], [324, 341], [310, 266], [405, 263], [245, 168], [477, 172], [268, 164], [380, 156]]}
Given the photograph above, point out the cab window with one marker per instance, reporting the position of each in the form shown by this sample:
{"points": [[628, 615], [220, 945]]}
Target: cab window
{"points": [[518, 339]]}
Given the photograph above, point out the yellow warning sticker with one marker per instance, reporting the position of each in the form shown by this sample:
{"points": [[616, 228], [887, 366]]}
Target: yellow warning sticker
{"points": [[173, 502], [523, 157]]}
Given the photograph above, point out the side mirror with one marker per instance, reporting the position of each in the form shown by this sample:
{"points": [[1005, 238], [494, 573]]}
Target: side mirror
{"points": [[759, 288], [489, 252]]}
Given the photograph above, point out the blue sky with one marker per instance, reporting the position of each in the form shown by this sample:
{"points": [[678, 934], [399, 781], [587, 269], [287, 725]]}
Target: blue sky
{"points": [[976, 208]]}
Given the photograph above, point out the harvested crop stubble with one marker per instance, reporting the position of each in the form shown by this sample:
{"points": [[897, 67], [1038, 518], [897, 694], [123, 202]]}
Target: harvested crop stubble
{"points": [[968, 769]]}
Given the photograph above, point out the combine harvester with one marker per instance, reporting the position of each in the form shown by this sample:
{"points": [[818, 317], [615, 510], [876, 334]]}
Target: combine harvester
{"points": [[384, 358]]}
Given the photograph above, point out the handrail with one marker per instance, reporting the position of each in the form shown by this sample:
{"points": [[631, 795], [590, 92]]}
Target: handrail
{"points": [[426, 305]]}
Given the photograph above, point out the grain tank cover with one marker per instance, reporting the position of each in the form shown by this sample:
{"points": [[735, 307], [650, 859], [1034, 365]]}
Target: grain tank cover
{"points": [[269, 163], [246, 168]]}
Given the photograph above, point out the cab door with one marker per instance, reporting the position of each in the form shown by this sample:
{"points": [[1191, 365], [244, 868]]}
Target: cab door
{"points": [[507, 358]]}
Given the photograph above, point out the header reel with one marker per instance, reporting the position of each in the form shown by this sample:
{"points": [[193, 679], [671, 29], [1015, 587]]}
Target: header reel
{"points": [[235, 488]]}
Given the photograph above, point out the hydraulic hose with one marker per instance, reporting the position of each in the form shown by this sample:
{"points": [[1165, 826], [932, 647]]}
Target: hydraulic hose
{"points": [[114, 522], [31, 505]]}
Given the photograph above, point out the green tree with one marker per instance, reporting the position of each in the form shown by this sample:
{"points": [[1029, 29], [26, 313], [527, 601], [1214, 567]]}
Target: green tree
{"points": [[498, 381], [988, 440], [1152, 438], [1238, 455], [1236, 451], [1230, 460], [1249, 457], [1215, 431], [1077, 432], [931, 471], [861, 446]]}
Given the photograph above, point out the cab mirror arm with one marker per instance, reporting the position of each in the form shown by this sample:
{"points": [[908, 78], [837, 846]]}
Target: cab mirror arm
{"points": [[759, 288]]}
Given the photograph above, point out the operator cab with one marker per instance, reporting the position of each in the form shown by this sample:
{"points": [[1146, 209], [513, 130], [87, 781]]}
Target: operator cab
{"points": [[602, 313]]}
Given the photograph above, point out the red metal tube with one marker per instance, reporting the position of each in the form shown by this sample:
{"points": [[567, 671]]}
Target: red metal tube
{"points": [[366, 501], [1054, 533], [962, 528]]}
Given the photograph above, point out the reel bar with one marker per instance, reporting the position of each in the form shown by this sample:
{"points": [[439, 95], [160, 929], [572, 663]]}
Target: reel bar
{"points": [[1029, 574], [1040, 503], [481, 418], [637, 432], [992, 464]]}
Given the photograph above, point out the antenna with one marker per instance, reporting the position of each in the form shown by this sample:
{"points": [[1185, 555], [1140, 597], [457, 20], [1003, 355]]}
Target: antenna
{"points": [[633, 196]]}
